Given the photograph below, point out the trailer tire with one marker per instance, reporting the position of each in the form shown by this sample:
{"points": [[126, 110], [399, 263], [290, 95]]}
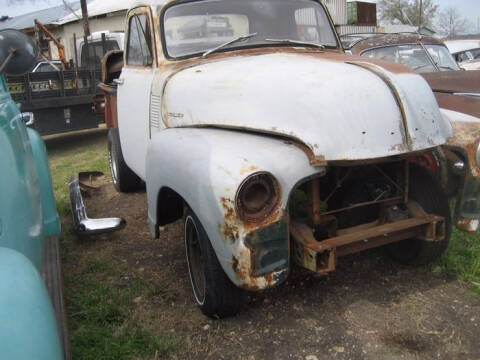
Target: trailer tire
{"points": [[123, 178], [427, 191], [214, 293]]}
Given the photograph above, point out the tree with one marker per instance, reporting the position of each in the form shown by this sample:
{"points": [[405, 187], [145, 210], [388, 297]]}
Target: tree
{"points": [[395, 10], [451, 23]]}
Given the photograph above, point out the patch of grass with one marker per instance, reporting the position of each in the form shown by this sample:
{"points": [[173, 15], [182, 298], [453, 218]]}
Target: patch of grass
{"points": [[462, 259], [66, 160], [99, 299], [167, 294], [125, 342], [99, 316]]}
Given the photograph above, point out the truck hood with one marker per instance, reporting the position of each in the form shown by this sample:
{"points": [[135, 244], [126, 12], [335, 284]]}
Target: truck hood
{"points": [[342, 108]]}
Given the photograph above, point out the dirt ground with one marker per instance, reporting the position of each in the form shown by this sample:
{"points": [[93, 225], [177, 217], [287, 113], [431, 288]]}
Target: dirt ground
{"points": [[370, 308]]}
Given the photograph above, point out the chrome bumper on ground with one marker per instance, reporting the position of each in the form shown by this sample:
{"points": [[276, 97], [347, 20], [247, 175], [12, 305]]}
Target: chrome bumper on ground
{"points": [[83, 224]]}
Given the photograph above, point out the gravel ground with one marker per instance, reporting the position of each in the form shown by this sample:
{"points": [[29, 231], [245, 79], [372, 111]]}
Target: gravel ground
{"points": [[370, 308]]}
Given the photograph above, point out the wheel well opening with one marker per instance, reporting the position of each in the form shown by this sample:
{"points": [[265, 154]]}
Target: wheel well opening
{"points": [[169, 206]]}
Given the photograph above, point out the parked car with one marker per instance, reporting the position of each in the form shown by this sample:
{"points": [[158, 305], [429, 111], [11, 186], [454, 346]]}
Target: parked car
{"points": [[274, 146], [454, 88], [407, 49], [32, 318], [466, 53]]}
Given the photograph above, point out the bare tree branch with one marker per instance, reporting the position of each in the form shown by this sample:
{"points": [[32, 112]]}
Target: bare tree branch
{"points": [[394, 11], [69, 7], [451, 23]]}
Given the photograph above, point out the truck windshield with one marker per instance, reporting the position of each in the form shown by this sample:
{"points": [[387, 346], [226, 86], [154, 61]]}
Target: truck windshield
{"points": [[414, 57], [196, 27]]}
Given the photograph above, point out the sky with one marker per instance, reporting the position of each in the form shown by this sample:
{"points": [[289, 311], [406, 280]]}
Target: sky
{"points": [[468, 8]]}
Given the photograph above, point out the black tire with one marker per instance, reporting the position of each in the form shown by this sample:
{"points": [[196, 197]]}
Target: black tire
{"points": [[124, 179], [426, 190], [214, 293]]}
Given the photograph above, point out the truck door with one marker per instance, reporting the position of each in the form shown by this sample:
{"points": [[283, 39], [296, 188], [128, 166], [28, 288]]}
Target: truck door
{"points": [[134, 87]]}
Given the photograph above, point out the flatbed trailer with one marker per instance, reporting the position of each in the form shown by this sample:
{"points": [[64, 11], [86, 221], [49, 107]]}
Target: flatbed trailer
{"points": [[60, 101]]}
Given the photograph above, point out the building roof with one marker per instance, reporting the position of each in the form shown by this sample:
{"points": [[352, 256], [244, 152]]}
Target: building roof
{"points": [[46, 16], [97, 8]]}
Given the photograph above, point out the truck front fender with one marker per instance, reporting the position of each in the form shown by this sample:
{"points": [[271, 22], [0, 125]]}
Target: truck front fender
{"points": [[28, 329], [51, 220], [466, 141], [205, 168]]}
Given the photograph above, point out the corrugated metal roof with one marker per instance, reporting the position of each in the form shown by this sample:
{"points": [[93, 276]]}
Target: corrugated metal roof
{"points": [[98, 7], [46, 16]]}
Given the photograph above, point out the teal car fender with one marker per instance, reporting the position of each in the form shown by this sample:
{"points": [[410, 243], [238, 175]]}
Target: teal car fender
{"points": [[27, 320], [28, 217], [27, 206], [51, 220]]}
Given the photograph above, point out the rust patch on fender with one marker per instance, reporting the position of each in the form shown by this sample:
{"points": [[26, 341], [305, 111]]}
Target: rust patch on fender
{"points": [[269, 278], [274, 217], [466, 135], [247, 281], [248, 169], [229, 230]]}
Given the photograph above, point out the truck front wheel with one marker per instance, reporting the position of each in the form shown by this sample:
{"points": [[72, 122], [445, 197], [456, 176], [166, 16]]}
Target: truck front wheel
{"points": [[124, 179], [214, 293]]}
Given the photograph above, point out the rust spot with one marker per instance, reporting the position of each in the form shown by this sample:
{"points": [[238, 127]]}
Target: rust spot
{"points": [[269, 278], [314, 160], [248, 282], [248, 169], [227, 205], [235, 264], [398, 147], [467, 135], [274, 217], [228, 230]]}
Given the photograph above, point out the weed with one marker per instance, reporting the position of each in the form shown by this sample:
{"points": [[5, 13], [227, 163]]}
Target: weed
{"points": [[99, 302], [462, 259]]}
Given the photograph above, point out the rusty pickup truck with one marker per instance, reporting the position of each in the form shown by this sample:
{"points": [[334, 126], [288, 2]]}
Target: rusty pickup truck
{"points": [[246, 119]]}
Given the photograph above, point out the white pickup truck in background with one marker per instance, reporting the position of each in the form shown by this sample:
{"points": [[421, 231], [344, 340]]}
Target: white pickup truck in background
{"points": [[90, 54]]}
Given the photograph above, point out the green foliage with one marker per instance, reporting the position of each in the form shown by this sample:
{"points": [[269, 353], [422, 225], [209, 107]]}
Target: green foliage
{"points": [[99, 305], [462, 259]]}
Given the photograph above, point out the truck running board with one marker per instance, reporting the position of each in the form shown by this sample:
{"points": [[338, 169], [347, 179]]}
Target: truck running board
{"points": [[321, 256], [83, 224]]}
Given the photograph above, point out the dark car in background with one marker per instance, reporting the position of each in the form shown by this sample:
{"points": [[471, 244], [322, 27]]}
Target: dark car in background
{"points": [[458, 95], [454, 88]]}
